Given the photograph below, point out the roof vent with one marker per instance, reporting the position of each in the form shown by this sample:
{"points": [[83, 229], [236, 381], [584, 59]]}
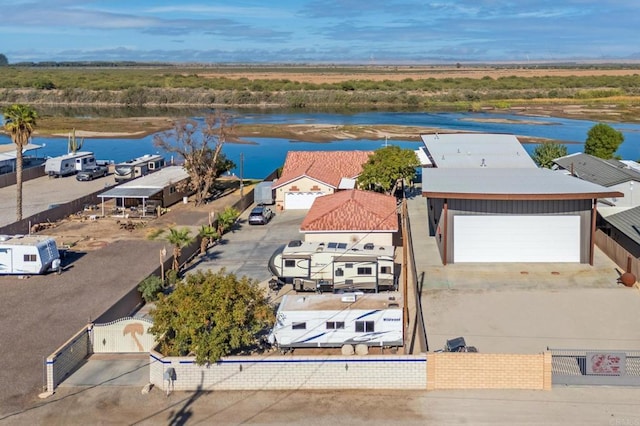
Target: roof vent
{"points": [[483, 164], [294, 243]]}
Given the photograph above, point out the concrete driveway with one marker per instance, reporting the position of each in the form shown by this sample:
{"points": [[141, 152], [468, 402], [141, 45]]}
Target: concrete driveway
{"points": [[111, 370], [247, 249]]}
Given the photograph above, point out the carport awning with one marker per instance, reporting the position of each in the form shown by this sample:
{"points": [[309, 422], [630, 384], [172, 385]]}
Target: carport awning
{"points": [[130, 193]]}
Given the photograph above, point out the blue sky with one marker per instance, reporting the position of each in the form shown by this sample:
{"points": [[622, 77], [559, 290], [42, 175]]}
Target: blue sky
{"points": [[320, 31]]}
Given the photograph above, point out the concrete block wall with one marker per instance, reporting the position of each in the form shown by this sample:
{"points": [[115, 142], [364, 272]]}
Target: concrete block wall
{"points": [[67, 357], [293, 372], [488, 371]]}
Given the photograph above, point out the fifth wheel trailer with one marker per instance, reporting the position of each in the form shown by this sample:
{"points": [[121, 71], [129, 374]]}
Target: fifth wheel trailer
{"points": [[334, 267], [28, 255], [334, 320]]}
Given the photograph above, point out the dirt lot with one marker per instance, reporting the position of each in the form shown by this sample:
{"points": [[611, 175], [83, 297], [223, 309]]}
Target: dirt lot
{"points": [[118, 405], [398, 73]]}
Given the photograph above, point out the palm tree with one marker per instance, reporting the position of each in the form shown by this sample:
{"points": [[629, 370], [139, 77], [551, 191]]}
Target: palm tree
{"points": [[19, 121], [226, 219], [208, 234], [179, 238]]}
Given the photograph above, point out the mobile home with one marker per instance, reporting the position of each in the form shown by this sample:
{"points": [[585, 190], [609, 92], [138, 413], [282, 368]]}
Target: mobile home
{"points": [[28, 254], [137, 167], [334, 267], [69, 164], [334, 320]]}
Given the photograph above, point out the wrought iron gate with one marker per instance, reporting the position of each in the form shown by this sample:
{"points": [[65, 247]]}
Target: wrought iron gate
{"points": [[595, 367]]}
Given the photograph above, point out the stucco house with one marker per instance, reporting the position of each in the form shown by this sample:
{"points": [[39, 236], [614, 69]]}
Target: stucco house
{"points": [[307, 175], [352, 216]]}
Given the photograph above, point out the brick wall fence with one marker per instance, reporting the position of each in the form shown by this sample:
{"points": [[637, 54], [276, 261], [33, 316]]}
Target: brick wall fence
{"points": [[67, 357], [277, 372], [446, 370]]}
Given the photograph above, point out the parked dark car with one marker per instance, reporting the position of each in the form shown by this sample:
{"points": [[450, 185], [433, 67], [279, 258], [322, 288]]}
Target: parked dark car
{"points": [[260, 215], [92, 172]]}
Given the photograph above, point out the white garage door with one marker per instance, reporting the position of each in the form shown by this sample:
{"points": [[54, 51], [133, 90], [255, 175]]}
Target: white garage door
{"points": [[300, 200], [516, 239]]}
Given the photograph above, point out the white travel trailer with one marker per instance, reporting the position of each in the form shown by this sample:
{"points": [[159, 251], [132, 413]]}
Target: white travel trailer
{"points": [[69, 164], [334, 320], [137, 167], [334, 267], [28, 254]]}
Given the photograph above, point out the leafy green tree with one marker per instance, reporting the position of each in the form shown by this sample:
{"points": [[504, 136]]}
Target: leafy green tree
{"points": [[208, 235], [603, 141], [200, 149], [545, 153], [19, 122], [150, 287], [226, 219], [180, 238], [386, 167], [3, 60], [211, 315]]}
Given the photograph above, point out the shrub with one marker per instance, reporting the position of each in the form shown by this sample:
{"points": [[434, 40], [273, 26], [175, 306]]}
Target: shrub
{"points": [[150, 287]]}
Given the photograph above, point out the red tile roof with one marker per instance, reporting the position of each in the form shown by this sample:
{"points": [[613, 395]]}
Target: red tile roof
{"points": [[352, 210], [325, 166]]}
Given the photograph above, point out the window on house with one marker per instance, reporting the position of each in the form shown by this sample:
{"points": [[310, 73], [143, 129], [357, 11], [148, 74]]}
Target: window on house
{"points": [[289, 263], [299, 326], [30, 258], [385, 269], [172, 190], [348, 265], [335, 325], [339, 272], [364, 326], [364, 270]]}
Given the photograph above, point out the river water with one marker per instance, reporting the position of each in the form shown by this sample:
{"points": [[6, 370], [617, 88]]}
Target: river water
{"points": [[267, 154]]}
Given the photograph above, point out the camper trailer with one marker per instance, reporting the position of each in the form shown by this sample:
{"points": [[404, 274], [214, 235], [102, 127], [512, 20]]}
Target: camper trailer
{"points": [[69, 164], [28, 254], [137, 167], [334, 267], [334, 320]]}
